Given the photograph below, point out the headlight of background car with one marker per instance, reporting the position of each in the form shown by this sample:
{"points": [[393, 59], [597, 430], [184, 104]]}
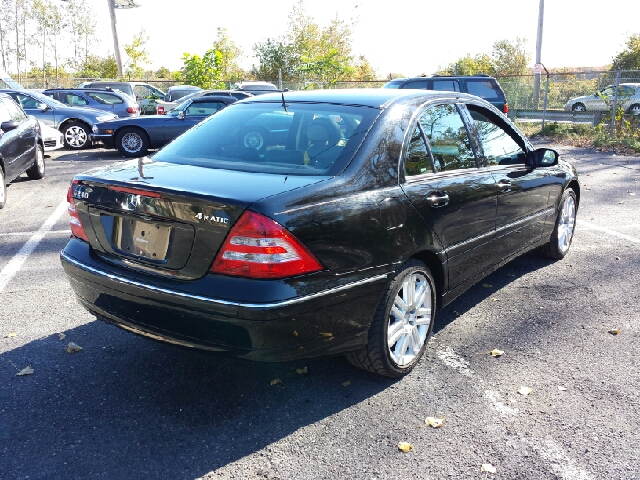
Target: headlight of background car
{"points": [[104, 118]]}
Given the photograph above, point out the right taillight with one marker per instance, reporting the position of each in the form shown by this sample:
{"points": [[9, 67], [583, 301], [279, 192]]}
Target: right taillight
{"points": [[258, 247], [77, 230]]}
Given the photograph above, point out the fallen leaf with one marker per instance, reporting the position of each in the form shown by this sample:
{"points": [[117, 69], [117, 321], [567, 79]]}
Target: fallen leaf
{"points": [[487, 285], [276, 381], [301, 370], [406, 447], [617, 258], [73, 348], [346, 384], [562, 389], [295, 334], [61, 336], [615, 332], [487, 467], [434, 422], [495, 299], [25, 371], [524, 391], [620, 203], [496, 353], [326, 334], [11, 334]]}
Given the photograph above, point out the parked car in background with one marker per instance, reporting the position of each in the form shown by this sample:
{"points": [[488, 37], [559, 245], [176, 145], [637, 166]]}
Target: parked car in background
{"points": [[602, 101], [361, 214], [52, 139], [74, 123], [481, 85], [258, 88], [109, 100], [21, 147], [143, 93], [163, 107], [176, 92], [133, 137]]}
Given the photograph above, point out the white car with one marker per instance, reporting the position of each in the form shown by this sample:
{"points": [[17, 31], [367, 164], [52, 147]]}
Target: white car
{"points": [[628, 99], [52, 138]]}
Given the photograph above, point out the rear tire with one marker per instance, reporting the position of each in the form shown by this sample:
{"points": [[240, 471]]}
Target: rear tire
{"points": [[37, 171], [634, 109], [132, 142], [402, 324], [579, 107], [562, 235]]}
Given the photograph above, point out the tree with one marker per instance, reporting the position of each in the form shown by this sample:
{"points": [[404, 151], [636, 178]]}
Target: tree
{"points": [[629, 58], [99, 67], [137, 53], [163, 72], [468, 65], [274, 56], [510, 58], [230, 54], [80, 28], [203, 72]]}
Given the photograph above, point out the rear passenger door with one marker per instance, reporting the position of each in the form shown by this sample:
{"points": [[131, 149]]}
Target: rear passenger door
{"points": [[455, 197]]}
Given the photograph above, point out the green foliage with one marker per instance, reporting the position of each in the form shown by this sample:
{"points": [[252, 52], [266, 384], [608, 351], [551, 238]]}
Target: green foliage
{"points": [[275, 55], [203, 72], [507, 58], [629, 58], [230, 54], [99, 67], [163, 72], [137, 54]]}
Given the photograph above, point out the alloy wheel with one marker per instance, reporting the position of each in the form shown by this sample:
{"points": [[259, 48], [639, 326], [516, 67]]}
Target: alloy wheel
{"points": [[131, 142], [409, 319], [76, 136], [2, 187], [566, 223]]}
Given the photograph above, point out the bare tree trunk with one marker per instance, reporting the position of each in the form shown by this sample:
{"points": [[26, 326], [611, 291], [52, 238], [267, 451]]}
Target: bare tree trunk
{"points": [[4, 63], [24, 43], [55, 56], [18, 45], [44, 44]]}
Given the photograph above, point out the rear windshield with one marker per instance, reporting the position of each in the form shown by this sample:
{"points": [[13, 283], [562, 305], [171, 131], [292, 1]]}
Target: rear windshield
{"points": [[304, 139], [484, 89]]}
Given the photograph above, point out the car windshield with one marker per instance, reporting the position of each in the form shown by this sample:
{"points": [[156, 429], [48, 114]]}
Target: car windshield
{"points": [[301, 139]]}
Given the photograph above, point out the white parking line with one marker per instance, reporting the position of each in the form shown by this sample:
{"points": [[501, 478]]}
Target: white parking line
{"points": [[608, 231], [19, 258], [559, 462]]}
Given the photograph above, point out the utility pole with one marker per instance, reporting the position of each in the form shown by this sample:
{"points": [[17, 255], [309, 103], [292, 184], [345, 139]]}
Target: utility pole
{"points": [[116, 43], [536, 78]]}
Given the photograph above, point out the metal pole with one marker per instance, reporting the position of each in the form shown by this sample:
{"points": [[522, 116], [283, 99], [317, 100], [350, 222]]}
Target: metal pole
{"points": [[615, 103], [114, 30], [546, 94], [279, 79], [536, 78]]}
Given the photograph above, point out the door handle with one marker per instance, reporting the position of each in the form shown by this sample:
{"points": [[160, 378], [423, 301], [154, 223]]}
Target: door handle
{"points": [[437, 199], [504, 186]]}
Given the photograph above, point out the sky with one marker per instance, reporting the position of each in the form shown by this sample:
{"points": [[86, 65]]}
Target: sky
{"points": [[410, 37]]}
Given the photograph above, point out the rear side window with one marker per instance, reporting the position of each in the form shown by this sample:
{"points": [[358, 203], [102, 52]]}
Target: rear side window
{"points": [[417, 161], [421, 84], [106, 98], [202, 108], [448, 138], [73, 100], [483, 89], [446, 85]]}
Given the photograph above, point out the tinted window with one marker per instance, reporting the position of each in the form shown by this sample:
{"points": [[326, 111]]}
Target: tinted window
{"points": [[26, 101], [417, 160], [5, 116], [446, 85], [498, 146], [421, 84], [15, 112], [306, 139], [73, 100], [448, 139], [105, 98], [202, 108], [483, 89], [393, 84]]}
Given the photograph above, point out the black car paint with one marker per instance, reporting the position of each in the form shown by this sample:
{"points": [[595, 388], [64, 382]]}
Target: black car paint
{"points": [[362, 224]]}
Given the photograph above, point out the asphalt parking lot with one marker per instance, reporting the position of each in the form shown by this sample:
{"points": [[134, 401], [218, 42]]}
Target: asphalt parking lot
{"points": [[129, 407]]}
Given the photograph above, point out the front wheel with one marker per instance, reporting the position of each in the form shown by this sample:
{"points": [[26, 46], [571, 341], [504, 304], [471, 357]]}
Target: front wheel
{"points": [[579, 107], [132, 142], [562, 235], [36, 172], [402, 323], [76, 135]]}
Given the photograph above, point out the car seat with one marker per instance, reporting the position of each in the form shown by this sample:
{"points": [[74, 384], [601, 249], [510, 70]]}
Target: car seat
{"points": [[323, 135]]}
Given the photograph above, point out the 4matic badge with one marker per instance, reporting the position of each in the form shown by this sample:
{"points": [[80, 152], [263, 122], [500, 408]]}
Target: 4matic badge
{"points": [[213, 218]]}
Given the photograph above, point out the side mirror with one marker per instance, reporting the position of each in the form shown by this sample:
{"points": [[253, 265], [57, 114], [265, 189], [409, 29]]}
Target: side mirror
{"points": [[42, 107], [544, 157], [10, 125]]}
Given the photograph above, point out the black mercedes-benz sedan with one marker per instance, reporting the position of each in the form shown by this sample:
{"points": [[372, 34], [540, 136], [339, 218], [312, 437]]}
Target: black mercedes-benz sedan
{"points": [[301, 224], [134, 136]]}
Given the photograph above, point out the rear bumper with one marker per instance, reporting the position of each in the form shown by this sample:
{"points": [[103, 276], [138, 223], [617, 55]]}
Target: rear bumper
{"points": [[276, 330]]}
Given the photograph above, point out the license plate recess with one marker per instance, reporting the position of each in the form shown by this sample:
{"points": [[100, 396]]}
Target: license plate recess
{"points": [[142, 239]]}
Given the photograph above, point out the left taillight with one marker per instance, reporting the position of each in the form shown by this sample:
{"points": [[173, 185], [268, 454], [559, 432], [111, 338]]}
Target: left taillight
{"points": [[258, 247], [132, 109], [505, 110], [77, 230]]}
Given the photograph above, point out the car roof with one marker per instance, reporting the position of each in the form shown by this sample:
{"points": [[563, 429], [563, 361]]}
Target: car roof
{"points": [[369, 97], [84, 90], [209, 98], [477, 75], [184, 87]]}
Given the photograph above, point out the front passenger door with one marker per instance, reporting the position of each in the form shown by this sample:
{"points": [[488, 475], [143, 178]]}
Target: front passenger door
{"points": [[454, 197]]}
